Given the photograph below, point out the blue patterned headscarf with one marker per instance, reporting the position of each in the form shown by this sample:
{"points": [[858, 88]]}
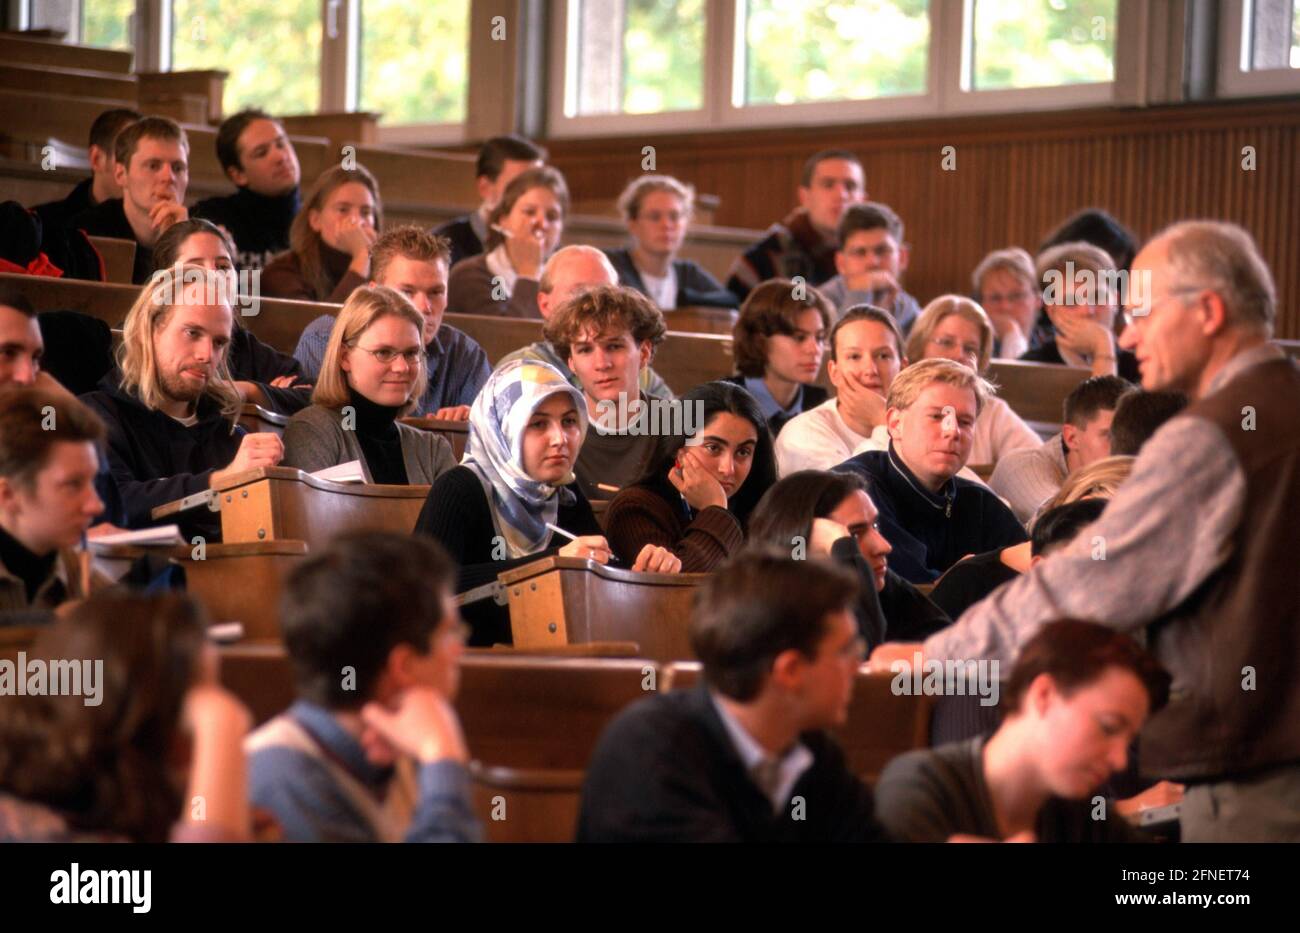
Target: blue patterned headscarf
{"points": [[521, 506]]}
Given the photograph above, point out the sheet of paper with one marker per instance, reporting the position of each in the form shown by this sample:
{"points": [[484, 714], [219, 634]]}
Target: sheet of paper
{"points": [[349, 472], [163, 535]]}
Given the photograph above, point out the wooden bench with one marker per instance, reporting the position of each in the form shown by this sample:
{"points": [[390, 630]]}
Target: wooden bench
{"points": [[420, 176], [68, 117], [456, 432], [526, 804], [280, 503], [1035, 391], [566, 600], [880, 725], [702, 320], [683, 360], [548, 713], [45, 52], [118, 256], [52, 79]]}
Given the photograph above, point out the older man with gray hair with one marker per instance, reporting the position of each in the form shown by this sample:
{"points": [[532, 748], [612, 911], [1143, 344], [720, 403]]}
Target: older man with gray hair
{"points": [[568, 271], [1197, 550]]}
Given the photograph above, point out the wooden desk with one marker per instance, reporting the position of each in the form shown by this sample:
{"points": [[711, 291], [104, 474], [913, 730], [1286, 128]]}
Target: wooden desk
{"points": [[256, 419], [278, 503], [564, 600], [233, 582], [456, 432]]}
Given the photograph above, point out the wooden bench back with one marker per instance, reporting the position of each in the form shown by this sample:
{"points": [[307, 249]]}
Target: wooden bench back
{"points": [[879, 727]]}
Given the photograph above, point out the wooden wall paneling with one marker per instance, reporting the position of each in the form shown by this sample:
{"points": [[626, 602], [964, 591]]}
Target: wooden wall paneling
{"points": [[1018, 176]]}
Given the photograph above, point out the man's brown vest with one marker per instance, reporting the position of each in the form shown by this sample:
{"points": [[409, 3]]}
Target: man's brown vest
{"points": [[1234, 645]]}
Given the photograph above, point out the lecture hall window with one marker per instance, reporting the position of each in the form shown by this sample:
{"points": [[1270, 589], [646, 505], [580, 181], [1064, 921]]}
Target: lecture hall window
{"points": [[414, 60], [1042, 43], [1259, 51], [634, 57], [270, 47], [107, 23], [800, 52]]}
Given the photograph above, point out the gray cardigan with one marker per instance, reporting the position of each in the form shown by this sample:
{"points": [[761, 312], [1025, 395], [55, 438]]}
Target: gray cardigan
{"points": [[315, 439]]}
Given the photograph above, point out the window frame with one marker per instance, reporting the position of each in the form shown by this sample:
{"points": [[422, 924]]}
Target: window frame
{"points": [[1232, 80], [946, 94]]}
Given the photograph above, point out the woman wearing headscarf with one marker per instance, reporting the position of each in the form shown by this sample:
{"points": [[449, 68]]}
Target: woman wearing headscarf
{"points": [[494, 511]]}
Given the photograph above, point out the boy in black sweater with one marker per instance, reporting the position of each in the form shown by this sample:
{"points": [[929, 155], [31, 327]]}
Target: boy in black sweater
{"points": [[257, 155]]}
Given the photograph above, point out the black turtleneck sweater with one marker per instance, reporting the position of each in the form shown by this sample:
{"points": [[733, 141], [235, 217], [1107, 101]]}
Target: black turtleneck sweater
{"points": [[31, 568], [379, 439], [259, 224], [932, 531]]}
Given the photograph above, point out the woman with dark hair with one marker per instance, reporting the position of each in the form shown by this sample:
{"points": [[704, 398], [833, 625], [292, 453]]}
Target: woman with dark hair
{"points": [[262, 374], [100, 763], [702, 483], [1076, 699], [813, 512], [524, 229], [330, 240]]}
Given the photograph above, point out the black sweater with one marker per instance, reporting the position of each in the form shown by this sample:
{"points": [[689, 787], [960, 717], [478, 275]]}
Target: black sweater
{"points": [[457, 514], [155, 459], [259, 224], [666, 771], [930, 532]]}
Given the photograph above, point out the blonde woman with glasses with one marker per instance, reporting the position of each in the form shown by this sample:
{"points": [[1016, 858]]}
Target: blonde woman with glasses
{"points": [[372, 374], [956, 328]]}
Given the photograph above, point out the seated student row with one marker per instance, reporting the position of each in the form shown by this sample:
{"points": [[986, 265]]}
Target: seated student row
{"points": [[330, 235]]}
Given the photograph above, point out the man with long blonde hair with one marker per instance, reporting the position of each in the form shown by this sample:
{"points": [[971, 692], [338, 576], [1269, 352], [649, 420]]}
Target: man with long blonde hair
{"points": [[171, 407]]}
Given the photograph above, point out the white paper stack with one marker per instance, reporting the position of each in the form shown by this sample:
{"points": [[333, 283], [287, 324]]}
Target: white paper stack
{"points": [[349, 472]]}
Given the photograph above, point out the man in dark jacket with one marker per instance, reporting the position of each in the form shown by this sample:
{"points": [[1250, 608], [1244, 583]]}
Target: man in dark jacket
{"points": [[742, 757], [102, 184], [170, 412], [931, 516], [153, 171], [258, 157]]}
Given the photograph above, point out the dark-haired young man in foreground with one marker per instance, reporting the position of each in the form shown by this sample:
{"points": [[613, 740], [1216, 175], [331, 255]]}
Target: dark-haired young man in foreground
{"points": [[259, 159], [371, 751], [742, 757]]}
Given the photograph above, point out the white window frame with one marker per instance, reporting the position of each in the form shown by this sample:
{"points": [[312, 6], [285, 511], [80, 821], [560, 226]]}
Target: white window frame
{"points": [[946, 91], [1233, 80]]}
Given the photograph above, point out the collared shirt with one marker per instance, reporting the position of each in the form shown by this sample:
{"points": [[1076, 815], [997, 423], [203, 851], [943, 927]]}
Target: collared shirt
{"points": [[457, 366], [1166, 530], [758, 762], [767, 403], [499, 264]]}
